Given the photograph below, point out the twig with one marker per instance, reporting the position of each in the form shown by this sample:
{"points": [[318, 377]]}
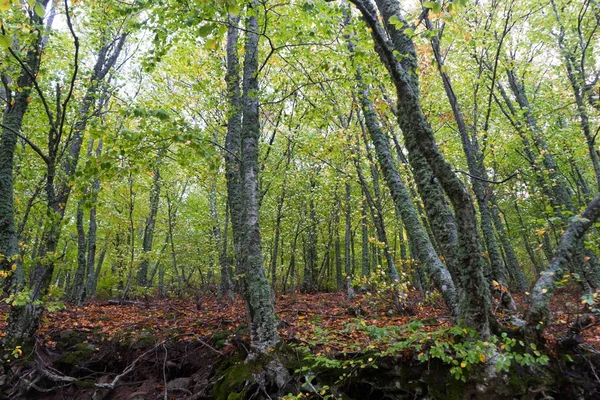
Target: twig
{"points": [[209, 346], [488, 181]]}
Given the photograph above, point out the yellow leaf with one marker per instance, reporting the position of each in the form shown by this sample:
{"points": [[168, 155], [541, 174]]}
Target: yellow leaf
{"points": [[482, 357], [544, 290], [4, 5], [463, 364]]}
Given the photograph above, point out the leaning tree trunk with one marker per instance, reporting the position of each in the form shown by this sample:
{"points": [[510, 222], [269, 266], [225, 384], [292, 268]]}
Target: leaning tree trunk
{"points": [[416, 233], [538, 315], [474, 291], [439, 214], [479, 181], [576, 76], [583, 261]]}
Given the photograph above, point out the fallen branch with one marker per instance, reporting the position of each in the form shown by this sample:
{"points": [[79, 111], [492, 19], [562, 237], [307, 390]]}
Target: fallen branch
{"points": [[209, 346], [126, 302]]}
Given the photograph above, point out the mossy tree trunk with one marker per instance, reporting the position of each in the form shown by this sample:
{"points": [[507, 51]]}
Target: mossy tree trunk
{"points": [[474, 292], [416, 233], [17, 105], [538, 315], [255, 287]]}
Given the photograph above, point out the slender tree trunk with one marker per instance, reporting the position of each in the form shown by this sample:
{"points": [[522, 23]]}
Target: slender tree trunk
{"points": [[474, 294], [311, 261], [402, 200], [347, 244], [92, 271], [256, 289], [226, 285], [148, 238], [338, 246], [365, 240], [78, 282], [12, 122]]}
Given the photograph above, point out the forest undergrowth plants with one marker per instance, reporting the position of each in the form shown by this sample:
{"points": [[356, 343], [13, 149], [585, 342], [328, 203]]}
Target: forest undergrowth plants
{"points": [[382, 290], [457, 347]]}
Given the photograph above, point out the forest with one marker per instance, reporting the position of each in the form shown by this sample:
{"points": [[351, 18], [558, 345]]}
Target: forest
{"points": [[326, 199]]}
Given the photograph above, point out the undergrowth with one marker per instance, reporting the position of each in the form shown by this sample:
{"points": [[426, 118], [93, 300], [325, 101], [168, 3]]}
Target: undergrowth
{"points": [[457, 347]]}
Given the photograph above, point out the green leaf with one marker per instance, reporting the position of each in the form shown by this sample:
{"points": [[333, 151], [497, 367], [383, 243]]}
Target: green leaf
{"points": [[409, 31], [6, 41], [39, 10], [205, 30], [395, 21], [433, 5]]}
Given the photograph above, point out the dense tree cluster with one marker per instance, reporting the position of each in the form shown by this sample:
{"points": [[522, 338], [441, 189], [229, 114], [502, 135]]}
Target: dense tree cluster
{"points": [[175, 147]]}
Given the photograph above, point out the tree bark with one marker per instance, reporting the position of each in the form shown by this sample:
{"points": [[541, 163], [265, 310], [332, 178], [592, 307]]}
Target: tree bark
{"points": [[347, 245], [538, 315], [416, 233], [474, 294], [12, 122], [256, 289]]}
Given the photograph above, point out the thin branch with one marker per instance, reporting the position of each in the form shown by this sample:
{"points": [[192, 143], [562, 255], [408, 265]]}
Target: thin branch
{"points": [[73, 76], [486, 180], [29, 142]]}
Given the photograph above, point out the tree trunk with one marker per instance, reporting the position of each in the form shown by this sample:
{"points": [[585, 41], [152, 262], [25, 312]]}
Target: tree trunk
{"points": [[24, 320], [12, 121], [147, 239], [92, 270], [402, 200], [233, 139], [347, 245], [476, 166], [474, 294], [339, 279], [365, 240], [256, 289], [538, 315]]}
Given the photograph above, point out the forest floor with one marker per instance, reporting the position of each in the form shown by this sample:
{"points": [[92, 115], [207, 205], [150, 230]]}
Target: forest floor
{"points": [[207, 327]]}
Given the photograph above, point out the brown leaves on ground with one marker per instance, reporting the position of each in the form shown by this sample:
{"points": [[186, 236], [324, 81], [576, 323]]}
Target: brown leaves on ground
{"points": [[318, 319]]}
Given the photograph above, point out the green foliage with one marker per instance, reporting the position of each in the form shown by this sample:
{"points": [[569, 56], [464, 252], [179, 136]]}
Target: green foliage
{"points": [[457, 347], [382, 290]]}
